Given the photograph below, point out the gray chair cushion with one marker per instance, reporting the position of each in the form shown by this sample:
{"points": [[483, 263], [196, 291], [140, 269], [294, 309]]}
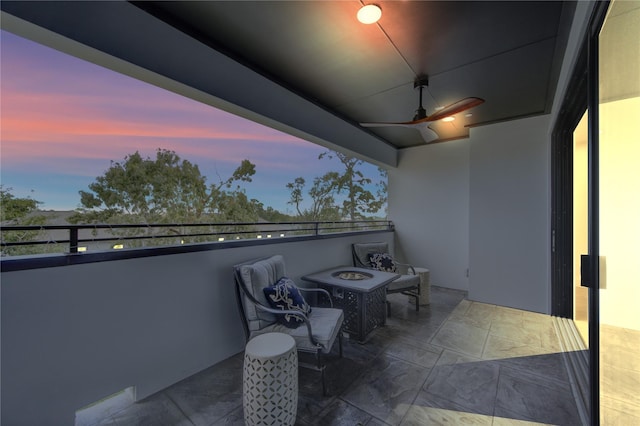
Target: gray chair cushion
{"points": [[325, 324], [361, 253], [256, 277], [405, 282]]}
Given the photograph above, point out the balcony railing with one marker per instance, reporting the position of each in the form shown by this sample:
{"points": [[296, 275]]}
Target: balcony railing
{"points": [[36, 239]]}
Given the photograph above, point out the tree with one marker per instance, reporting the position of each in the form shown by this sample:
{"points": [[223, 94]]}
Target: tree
{"points": [[382, 188], [15, 209], [20, 211], [272, 215], [322, 198], [296, 188], [352, 182], [166, 189], [322, 194]]}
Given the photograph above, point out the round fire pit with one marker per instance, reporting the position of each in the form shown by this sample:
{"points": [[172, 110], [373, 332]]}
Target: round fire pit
{"points": [[352, 275]]}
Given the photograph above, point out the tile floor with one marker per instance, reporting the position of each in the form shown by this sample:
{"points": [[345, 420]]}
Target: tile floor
{"points": [[619, 376], [454, 362]]}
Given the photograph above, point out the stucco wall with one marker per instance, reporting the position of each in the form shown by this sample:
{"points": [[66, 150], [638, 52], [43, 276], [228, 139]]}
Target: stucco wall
{"points": [[429, 204], [510, 215], [73, 335], [480, 203]]}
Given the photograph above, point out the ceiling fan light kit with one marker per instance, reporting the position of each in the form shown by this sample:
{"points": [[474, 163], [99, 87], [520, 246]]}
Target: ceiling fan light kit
{"points": [[421, 120]]}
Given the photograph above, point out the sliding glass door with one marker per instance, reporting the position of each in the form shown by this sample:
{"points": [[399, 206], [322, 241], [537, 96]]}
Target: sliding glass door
{"points": [[616, 212], [580, 226]]}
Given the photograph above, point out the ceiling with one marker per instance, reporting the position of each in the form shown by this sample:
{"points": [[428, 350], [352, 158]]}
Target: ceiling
{"points": [[311, 69], [505, 52]]}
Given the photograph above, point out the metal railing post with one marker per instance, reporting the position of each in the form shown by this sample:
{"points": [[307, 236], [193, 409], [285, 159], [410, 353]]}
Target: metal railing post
{"points": [[73, 240]]}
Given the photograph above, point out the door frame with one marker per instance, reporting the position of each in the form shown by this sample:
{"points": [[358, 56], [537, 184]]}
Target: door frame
{"points": [[582, 95], [571, 112]]}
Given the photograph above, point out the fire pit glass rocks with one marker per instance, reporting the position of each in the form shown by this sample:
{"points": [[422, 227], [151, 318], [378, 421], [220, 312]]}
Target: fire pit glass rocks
{"points": [[352, 275]]}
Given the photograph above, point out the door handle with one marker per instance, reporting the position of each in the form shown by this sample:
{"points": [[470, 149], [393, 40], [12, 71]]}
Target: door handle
{"points": [[586, 270]]}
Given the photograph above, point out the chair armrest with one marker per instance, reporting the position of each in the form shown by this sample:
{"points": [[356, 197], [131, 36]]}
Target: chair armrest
{"points": [[409, 267], [319, 290], [297, 313]]}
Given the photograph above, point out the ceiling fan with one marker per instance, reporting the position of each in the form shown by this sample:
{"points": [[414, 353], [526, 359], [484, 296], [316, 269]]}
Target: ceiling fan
{"points": [[421, 120]]}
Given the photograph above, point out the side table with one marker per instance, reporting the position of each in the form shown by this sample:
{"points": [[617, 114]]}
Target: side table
{"points": [[270, 380], [425, 287]]}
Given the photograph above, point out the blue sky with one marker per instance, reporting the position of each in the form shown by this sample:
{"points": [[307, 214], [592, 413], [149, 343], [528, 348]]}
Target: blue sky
{"points": [[63, 120]]}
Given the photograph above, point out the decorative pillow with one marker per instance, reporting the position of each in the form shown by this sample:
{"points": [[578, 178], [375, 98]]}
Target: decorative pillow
{"points": [[382, 262], [284, 295]]}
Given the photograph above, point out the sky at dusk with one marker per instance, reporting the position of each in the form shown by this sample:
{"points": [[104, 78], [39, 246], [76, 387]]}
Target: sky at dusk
{"points": [[63, 120]]}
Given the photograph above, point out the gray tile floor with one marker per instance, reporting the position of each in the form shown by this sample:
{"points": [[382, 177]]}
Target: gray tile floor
{"points": [[454, 362]]}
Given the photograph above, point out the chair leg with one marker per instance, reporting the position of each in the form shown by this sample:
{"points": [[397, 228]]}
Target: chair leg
{"points": [[340, 343], [324, 383], [417, 303], [321, 368]]}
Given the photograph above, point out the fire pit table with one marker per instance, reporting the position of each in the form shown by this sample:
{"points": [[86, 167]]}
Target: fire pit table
{"points": [[360, 293]]}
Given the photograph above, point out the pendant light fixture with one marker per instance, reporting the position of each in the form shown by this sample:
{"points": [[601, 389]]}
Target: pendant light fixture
{"points": [[369, 14]]}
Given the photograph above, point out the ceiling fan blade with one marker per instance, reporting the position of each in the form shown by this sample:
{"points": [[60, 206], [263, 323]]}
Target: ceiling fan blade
{"points": [[454, 108]]}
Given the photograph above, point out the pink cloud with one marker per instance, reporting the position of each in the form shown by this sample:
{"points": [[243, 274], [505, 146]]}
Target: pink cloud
{"points": [[65, 116], [34, 117]]}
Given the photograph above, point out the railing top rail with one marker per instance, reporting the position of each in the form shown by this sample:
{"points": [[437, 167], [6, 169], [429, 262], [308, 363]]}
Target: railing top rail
{"points": [[51, 247], [170, 225]]}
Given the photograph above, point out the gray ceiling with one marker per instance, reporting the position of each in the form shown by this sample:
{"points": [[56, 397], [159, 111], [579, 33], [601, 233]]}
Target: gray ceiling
{"points": [[505, 52]]}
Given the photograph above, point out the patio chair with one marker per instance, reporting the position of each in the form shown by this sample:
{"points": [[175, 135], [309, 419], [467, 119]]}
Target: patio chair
{"points": [[317, 330], [376, 256]]}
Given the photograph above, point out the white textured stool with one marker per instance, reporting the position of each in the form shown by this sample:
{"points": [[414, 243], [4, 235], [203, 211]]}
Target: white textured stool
{"points": [[270, 380], [425, 287]]}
